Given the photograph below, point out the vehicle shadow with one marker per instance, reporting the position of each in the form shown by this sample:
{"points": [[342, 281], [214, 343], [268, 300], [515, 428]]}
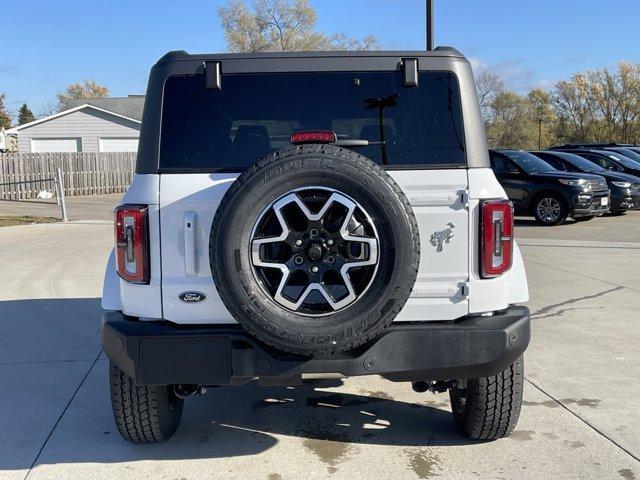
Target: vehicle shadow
{"points": [[240, 421], [368, 417], [59, 401], [46, 347], [250, 419]]}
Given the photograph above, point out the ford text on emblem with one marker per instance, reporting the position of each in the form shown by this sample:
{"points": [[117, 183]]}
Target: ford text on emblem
{"points": [[192, 297]]}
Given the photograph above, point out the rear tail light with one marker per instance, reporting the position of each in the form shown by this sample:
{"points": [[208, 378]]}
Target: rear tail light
{"points": [[497, 237], [313, 137], [132, 243]]}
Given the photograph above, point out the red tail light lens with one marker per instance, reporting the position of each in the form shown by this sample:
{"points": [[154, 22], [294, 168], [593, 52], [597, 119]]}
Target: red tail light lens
{"points": [[313, 137], [132, 243], [497, 237]]}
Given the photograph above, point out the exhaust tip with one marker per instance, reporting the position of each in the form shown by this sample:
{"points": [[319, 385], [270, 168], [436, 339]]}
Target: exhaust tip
{"points": [[420, 387], [185, 391]]}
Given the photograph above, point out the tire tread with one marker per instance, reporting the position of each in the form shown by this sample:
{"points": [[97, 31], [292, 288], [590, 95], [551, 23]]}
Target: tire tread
{"points": [[142, 413], [493, 404]]}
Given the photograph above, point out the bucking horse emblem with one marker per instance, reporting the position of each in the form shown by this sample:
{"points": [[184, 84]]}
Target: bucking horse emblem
{"points": [[438, 239]]}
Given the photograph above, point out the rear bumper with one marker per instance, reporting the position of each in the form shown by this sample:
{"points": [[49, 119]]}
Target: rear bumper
{"points": [[161, 353]]}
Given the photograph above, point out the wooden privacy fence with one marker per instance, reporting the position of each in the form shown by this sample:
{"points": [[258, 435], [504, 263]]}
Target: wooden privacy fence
{"points": [[83, 173]]}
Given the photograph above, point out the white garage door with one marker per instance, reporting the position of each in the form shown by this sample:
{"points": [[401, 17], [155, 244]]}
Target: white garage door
{"points": [[119, 144], [39, 145]]}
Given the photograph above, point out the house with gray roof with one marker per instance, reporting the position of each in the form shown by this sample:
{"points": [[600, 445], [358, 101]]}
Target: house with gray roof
{"points": [[87, 125]]}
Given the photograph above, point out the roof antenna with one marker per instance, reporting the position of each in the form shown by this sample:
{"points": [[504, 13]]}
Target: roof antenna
{"points": [[430, 24]]}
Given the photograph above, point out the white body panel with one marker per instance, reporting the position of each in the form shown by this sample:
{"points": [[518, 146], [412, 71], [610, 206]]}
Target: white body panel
{"points": [[111, 286], [195, 196], [518, 286], [181, 210], [436, 196], [144, 301], [486, 295]]}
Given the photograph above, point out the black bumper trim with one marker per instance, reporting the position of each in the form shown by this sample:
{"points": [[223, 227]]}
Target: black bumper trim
{"points": [[627, 202], [161, 353]]}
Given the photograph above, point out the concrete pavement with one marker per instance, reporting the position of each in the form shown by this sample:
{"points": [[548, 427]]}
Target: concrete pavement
{"points": [[579, 420], [609, 228], [51, 281]]}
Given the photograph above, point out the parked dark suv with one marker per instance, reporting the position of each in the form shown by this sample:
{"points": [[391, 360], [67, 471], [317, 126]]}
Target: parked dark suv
{"points": [[538, 189], [628, 150], [611, 161], [625, 189]]}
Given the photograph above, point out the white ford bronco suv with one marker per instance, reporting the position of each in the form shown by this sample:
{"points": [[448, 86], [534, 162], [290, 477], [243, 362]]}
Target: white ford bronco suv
{"points": [[314, 215]]}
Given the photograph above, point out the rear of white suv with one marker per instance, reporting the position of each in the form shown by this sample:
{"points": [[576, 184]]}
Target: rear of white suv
{"points": [[298, 215]]}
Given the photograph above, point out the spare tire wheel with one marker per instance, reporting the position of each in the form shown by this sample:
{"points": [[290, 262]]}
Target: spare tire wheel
{"points": [[314, 249]]}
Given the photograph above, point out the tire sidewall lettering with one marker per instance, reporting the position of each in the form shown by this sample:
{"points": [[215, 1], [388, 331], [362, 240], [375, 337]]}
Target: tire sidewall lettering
{"points": [[267, 181]]}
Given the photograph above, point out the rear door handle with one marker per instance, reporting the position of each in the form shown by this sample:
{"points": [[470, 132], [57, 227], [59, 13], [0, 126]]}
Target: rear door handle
{"points": [[190, 265]]}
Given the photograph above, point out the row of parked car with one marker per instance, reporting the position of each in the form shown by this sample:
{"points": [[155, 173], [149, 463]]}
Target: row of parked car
{"points": [[581, 181]]}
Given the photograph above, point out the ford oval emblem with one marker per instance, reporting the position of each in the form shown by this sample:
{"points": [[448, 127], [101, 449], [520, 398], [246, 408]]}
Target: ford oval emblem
{"points": [[192, 297]]}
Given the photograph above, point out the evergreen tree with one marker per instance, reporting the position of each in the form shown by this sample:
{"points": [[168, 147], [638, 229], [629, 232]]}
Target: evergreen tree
{"points": [[25, 115]]}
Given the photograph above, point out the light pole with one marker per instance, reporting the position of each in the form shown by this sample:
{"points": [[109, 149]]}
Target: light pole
{"points": [[430, 24]]}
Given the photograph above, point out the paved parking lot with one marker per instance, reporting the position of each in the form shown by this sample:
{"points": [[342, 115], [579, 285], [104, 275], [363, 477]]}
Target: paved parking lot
{"points": [[580, 419], [610, 228]]}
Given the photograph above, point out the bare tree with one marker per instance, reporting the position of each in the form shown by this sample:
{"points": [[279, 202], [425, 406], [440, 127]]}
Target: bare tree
{"points": [[47, 109], [629, 100], [603, 89], [281, 26], [598, 105], [573, 102], [342, 41], [510, 124], [542, 113], [489, 85], [86, 89]]}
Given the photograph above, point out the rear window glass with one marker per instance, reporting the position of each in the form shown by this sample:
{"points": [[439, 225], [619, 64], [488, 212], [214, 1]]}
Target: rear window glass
{"points": [[255, 114]]}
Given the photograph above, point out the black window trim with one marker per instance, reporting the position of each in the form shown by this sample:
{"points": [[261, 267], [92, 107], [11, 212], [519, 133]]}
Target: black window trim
{"points": [[433, 166], [439, 166]]}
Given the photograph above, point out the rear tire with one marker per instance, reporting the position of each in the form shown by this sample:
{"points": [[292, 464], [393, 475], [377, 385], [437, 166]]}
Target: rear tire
{"points": [[488, 408], [550, 209], [148, 414]]}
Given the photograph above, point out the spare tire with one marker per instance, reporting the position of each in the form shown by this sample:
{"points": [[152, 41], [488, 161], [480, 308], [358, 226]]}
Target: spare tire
{"points": [[314, 249]]}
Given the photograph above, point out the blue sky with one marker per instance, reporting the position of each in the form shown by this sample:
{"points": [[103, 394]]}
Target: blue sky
{"points": [[47, 45]]}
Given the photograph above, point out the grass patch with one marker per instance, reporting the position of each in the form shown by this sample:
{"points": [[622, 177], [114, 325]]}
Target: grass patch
{"points": [[12, 220]]}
